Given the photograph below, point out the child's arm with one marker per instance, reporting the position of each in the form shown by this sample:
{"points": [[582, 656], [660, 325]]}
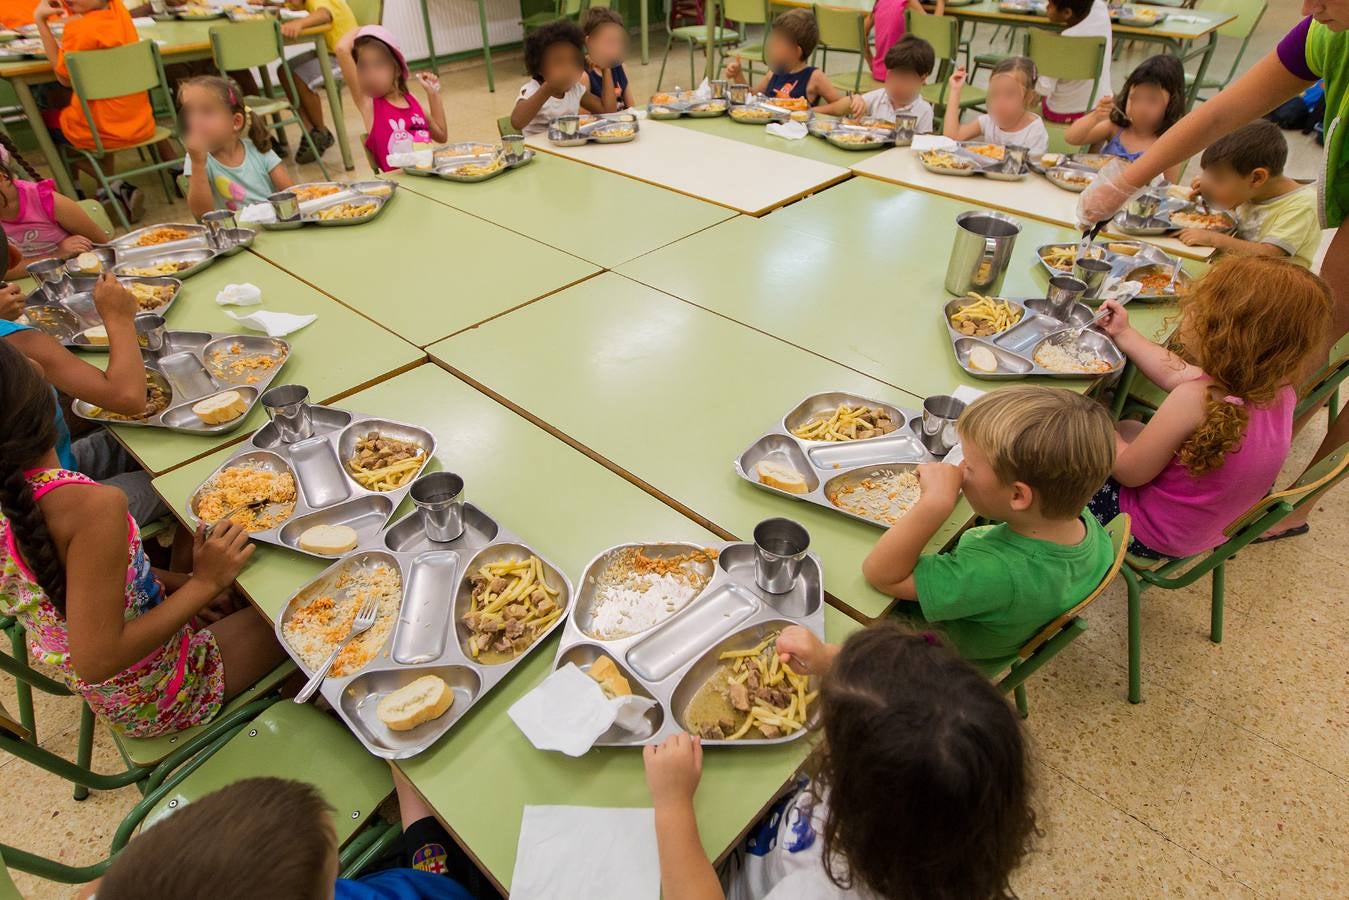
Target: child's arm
{"points": [[45, 9], [822, 88], [869, 23], [806, 653], [608, 95], [1172, 173], [1095, 126], [1202, 237], [951, 126], [526, 108], [295, 27], [890, 564], [735, 71], [1139, 461], [628, 102], [592, 103], [346, 61], [1160, 365], [72, 217], [847, 105], [435, 106], [200, 197], [672, 773], [280, 178]]}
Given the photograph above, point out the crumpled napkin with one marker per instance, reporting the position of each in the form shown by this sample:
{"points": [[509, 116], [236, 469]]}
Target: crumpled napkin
{"points": [[922, 142], [142, 21], [257, 214], [274, 324], [239, 295], [792, 131], [1120, 291], [702, 92], [569, 712], [416, 159]]}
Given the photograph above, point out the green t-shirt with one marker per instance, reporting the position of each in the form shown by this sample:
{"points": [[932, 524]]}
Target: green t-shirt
{"points": [[998, 588]]}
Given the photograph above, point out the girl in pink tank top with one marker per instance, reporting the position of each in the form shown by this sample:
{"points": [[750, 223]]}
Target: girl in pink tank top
{"points": [[1216, 444], [38, 221], [395, 123], [887, 18]]}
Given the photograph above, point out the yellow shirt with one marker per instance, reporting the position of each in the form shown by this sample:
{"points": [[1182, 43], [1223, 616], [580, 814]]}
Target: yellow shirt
{"points": [[1290, 222], [344, 19]]}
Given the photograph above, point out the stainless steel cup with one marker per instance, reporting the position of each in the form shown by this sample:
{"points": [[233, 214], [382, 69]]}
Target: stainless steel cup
{"points": [[1091, 272], [718, 88], [1014, 159], [1144, 206], [440, 497], [52, 275], [906, 126], [568, 126], [739, 93], [780, 548], [150, 330], [286, 206], [940, 415], [1064, 292], [981, 253], [287, 406], [513, 145], [219, 225]]}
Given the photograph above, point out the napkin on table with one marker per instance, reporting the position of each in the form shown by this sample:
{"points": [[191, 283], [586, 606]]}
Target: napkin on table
{"points": [[567, 852], [923, 142], [239, 295], [142, 21], [792, 131], [569, 711], [274, 324], [257, 214], [702, 92]]}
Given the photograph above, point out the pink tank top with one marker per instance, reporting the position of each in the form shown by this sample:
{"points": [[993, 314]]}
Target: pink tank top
{"points": [[395, 129], [888, 20], [1180, 514], [34, 231]]}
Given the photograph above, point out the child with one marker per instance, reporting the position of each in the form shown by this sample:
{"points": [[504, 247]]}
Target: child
{"points": [[1218, 440], [555, 58], [305, 66], [1065, 101], [921, 785], [908, 63], [225, 171], [1034, 456], [1008, 121], [39, 222], [1275, 215], [791, 41], [1152, 100], [15, 14], [394, 120], [74, 573], [887, 20], [606, 45]]}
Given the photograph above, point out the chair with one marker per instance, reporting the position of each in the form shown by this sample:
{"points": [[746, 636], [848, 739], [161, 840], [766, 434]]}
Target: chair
{"points": [[118, 72], [943, 33], [1061, 632], [1248, 15], [367, 12], [744, 13], [1067, 58], [694, 35], [98, 213], [1140, 574], [258, 45], [561, 9], [846, 31]]}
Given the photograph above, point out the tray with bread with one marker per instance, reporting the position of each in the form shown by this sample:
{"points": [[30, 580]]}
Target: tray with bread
{"points": [[606, 128], [686, 626], [325, 495], [187, 247], [999, 338], [74, 320], [843, 452], [453, 620], [199, 382]]}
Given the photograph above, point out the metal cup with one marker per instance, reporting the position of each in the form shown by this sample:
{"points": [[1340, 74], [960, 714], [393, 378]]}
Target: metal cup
{"points": [[440, 497], [568, 126], [287, 406], [1014, 159], [219, 225], [718, 88], [780, 547], [1144, 206], [1063, 294], [739, 93], [150, 330], [513, 145], [52, 275], [981, 253], [1091, 272], [940, 415], [286, 206], [906, 126]]}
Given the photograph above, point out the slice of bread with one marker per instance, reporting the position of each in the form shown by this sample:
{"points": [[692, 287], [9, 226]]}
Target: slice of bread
{"points": [[611, 680], [982, 358], [220, 408], [421, 701], [329, 540], [89, 262], [784, 478], [97, 336]]}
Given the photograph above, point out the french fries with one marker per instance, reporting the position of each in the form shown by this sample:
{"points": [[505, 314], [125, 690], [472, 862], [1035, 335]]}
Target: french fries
{"points": [[389, 478], [511, 605], [847, 423], [773, 673], [985, 316]]}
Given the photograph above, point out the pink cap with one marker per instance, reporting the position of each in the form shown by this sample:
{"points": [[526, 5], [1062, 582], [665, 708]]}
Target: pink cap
{"points": [[385, 36]]}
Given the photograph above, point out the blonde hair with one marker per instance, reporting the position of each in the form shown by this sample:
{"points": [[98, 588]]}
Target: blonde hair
{"points": [[1023, 68], [1060, 443]]}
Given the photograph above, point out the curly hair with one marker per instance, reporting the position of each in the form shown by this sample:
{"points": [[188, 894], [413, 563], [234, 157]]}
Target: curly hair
{"points": [[1250, 324], [1163, 71], [563, 31], [228, 92], [924, 771], [27, 432]]}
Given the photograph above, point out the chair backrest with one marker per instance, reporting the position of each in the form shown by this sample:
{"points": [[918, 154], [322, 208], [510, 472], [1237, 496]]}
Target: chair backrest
{"points": [[1326, 380], [246, 45], [1069, 58], [842, 29], [115, 71], [942, 32], [1328, 472], [1248, 15], [95, 211], [367, 12], [747, 12], [572, 9]]}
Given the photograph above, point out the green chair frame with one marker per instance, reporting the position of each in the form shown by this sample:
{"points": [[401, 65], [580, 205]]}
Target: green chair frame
{"points": [[1067, 57], [258, 45], [696, 36], [117, 72], [943, 33], [1248, 15], [562, 9], [843, 31], [95, 211], [743, 13]]}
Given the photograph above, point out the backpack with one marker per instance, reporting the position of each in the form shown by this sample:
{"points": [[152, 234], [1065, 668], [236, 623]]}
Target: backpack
{"points": [[1302, 113]]}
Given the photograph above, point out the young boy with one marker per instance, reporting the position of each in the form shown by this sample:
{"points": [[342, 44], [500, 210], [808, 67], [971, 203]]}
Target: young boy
{"points": [[1034, 456], [555, 60], [1067, 101], [908, 62], [791, 41], [606, 44], [305, 66], [1275, 215]]}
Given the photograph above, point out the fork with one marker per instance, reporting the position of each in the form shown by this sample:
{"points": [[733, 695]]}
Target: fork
{"points": [[365, 618], [229, 513], [1175, 274], [1071, 334]]}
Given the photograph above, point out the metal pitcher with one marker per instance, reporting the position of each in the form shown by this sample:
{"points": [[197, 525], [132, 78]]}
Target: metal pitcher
{"points": [[981, 253]]}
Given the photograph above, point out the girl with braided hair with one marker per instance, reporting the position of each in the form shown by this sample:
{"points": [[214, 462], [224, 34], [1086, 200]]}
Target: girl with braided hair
{"points": [[39, 222], [74, 573], [225, 171]]}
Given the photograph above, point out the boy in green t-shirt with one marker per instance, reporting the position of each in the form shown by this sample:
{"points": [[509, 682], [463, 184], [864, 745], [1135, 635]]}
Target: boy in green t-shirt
{"points": [[1275, 215], [1034, 456]]}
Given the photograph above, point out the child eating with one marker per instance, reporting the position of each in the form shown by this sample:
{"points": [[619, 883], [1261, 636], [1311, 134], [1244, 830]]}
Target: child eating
{"points": [[1008, 120], [1152, 100], [791, 41], [555, 58], [907, 65], [224, 170], [39, 222], [394, 120], [1065, 101]]}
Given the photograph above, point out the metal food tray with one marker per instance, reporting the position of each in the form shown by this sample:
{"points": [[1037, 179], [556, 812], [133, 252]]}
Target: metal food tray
{"points": [[1059, 177], [67, 318], [1160, 223], [1015, 347], [127, 251], [449, 158], [694, 109], [1080, 161], [325, 493], [595, 131], [826, 465], [22, 48], [197, 258], [179, 368], [877, 138], [1128, 16], [775, 113], [669, 662], [429, 638], [1123, 265], [979, 165], [347, 193]]}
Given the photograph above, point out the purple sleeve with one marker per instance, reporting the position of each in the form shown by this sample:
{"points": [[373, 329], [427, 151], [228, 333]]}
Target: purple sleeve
{"points": [[1292, 51]]}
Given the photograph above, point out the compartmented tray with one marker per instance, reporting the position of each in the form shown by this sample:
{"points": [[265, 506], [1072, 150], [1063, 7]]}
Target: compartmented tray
{"points": [[607, 128], [859, 137], [828, 466], [1126, 267], [182, 370], [694, 109], [1138, 16], [22, 48], [1086, 162], [1161, 222], [66, 319], [129, 250], [359, 194], [671, 660], [965, 162], [325, 492], [428, 637], [760, 110], [1014, 348], [1023, 7], [457, 162], [1070, 178]]}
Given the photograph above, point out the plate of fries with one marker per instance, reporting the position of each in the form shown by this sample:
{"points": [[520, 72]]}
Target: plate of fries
{"points": [[985, 316]]}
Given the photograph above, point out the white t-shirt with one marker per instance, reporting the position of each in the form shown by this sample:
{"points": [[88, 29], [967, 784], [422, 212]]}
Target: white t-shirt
{"points": [[569, 104], [1034, 136], [1075, 96], [880, 106]]}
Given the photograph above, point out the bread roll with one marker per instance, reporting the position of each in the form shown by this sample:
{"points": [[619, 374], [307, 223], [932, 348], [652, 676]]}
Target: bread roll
{"points": [[611, 680], [220, 408], [96, 336], [329, 540], [421, 701], [88, 262], [982, 358], [776, 475]]}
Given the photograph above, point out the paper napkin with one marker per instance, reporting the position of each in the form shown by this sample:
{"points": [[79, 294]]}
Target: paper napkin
{"points": [[256, 214], [274, 324], [569, 712], [922, 142], [239, 295], [566, 852], [792, 131]]}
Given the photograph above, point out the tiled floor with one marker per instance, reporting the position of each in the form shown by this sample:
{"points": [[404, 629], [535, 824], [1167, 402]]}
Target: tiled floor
{"points": [[1230, 780]]}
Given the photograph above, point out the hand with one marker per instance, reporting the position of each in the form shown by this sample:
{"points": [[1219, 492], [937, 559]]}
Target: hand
{"points": [[800, 649], [197, 148], [941, 481], [1116, 322], [430, 81], [734, 69], [75, 245], [46, 9], [673, 769], [292, 29], [856, 105], [1104, 106], [11, 301], [217, 559], [598, 67], [1106, 195], [113, 301], [1196, 188], [1198, 237], [226, 603], [957, 79], [560, 85]]}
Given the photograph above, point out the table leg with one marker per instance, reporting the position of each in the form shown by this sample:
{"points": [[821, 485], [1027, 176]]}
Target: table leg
{"points": [[486, 47], [714, 11], [430, 40], [1203, 69], [334, 100], [64, 183], [646, 27]]}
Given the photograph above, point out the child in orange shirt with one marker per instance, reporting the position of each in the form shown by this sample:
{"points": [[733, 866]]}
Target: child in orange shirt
{"points": [[14, 14]]}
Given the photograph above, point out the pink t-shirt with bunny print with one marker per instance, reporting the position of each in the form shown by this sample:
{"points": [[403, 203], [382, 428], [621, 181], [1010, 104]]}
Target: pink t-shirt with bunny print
{"points": [[395, 129]]}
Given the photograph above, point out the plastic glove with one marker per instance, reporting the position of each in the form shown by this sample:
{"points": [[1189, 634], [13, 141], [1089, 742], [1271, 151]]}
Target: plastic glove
{"points": [[1106, 195]]}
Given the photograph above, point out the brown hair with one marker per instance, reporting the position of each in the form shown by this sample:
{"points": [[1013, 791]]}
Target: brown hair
{"points": [[1023, 67], [597, 17], [800, 27], [1060, 443], [228, 92], [260, 837], [1259, 145], [1076, 9], [16, 158], [911, 54], [369, 40], [1249, 324], [925, 771], [1163, 71]]}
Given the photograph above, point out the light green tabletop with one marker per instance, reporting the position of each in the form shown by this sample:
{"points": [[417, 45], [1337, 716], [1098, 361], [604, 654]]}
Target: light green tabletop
{"points": [[855, 274], [483, 773], [423, 270], [1171, 28], [810, 147], [601, 217], [367, 353], [672, 395]]}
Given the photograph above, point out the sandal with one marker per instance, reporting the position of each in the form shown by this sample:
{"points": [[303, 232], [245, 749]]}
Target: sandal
{"points": [[1296, 531]]}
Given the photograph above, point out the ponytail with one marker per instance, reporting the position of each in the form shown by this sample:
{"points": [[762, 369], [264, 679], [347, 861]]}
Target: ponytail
{"points": [[12, 155], [259, 132]]}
